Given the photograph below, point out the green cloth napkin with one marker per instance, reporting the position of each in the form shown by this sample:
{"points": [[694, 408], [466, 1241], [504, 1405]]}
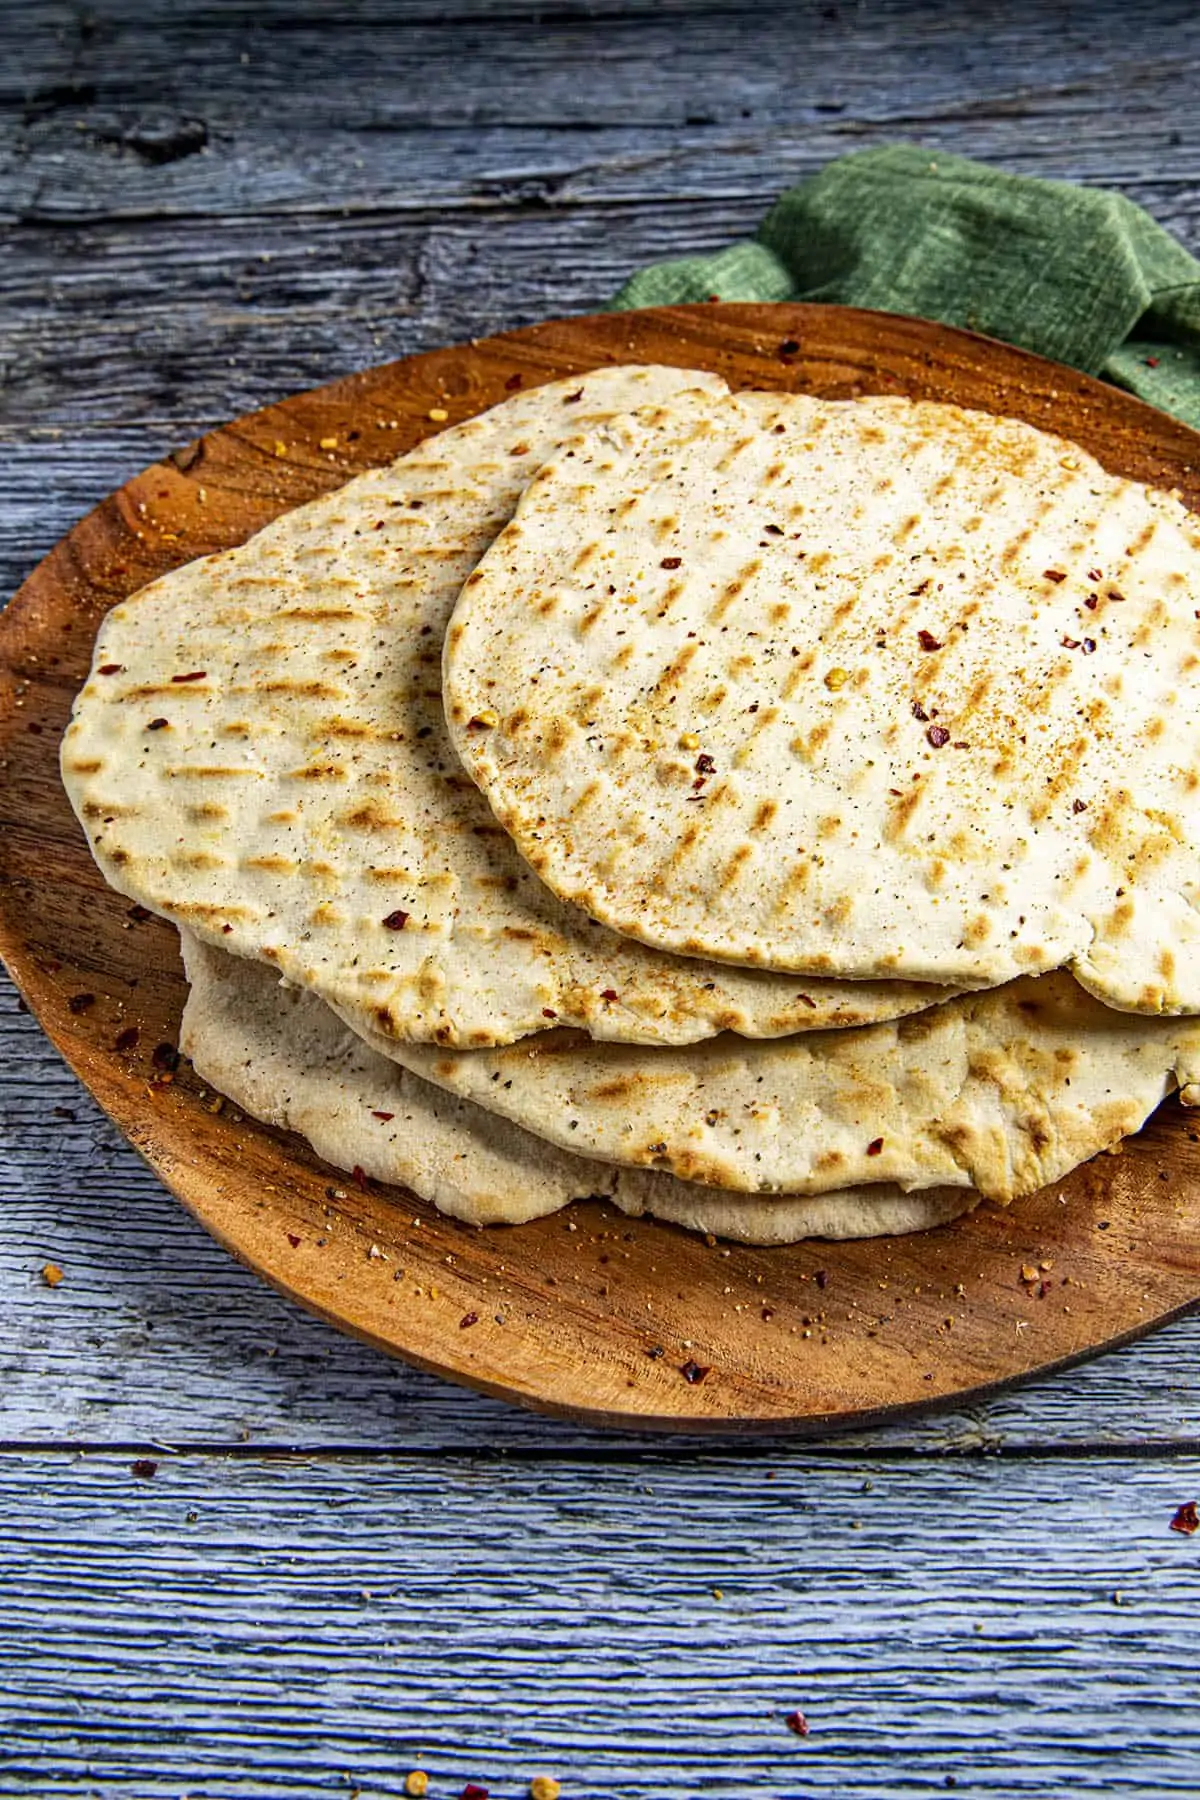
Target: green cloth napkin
{"points": [[1079, 274]]}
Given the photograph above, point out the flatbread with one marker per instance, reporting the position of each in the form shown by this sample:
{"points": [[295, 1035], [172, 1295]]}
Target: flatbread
{"points": [[1002, 1091], [862, 688], [281, 1055], [260, 754]]}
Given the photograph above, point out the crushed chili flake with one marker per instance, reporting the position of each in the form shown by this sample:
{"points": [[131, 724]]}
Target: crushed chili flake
{"points": [[694, 1373], [1054, 575], [1151, 362], [548, 1012], [938, 736], [875, 1147], [144, 1467], [1186, 1519], [822, 1279], [81, 1003], [51, 1274], [1078, 806], [127, 1039], [157, 725], [165, 1057], [293, 1240], [921, 588], [470, 1318], [1092, 602], [1089, 646], [395, 921], [473, 1791], [513, 382], [196, 675], [1095, 574], [608, 993], [1069, 643], [360, 1175], [570, 399], [928, 641], [919, 712], [670, 562], [111, 669], [382, 1115], [705, 764], [796, 1721], [138, 914], [1116, 594]]}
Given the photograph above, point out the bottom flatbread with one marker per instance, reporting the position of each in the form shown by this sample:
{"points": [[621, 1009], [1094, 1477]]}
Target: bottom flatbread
{"points": [[281, 1055]]}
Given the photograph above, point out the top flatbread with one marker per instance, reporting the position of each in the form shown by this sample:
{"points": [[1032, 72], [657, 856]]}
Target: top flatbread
{"points": [[260, 754], [861, 688]]}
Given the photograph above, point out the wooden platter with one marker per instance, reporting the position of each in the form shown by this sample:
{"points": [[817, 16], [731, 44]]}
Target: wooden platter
{"points": [[585, 1314]]}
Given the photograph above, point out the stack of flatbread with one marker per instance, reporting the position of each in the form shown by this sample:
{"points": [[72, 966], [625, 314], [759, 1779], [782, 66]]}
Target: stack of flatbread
{"points": [[778, 815]]}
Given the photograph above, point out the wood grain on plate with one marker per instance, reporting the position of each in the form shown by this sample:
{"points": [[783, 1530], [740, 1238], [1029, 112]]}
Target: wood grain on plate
{"points": [[584, 1313]]}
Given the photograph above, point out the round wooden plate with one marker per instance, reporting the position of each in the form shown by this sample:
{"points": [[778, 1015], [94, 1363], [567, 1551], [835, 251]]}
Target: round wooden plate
{"points": [[586, 1313]]}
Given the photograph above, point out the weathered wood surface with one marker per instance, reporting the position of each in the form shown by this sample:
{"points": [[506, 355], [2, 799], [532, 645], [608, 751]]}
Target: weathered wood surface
{"points": [[640, 1630], [400, 210]]}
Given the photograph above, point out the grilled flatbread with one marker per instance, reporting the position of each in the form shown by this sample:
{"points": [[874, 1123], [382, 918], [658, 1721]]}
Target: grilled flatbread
{"points": [[260, 754], [864, 688], [281, 1055]]}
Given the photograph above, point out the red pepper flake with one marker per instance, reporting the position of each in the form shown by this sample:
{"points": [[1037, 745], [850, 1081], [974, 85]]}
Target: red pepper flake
{"points": [[144, 1467], [1095, 574], [1151, 362], [1069, 643], [928, 641], [111, 669], [796, 1721], [938, 736], [773, 530], [694, 1373], [471, 1318], [127, 1039], [360, 1175], [875, 1147], [822, 1279], [1089, 646], [670, 562], [608, 993], [395, 921], [1116, 594], [165, 1057], [138, 914], [293, 1240], [81, 1003], [789, 347], [919, 712], [35, 729], [1078, 806], [157, 725], [473, 1791], [1186, 1519], [705, 764], [570, 399], [382, 1115], [513, 382], [921, 588], [1054, 575], [196, 675], [518, 450], [1092, 602], [548, 1012]]}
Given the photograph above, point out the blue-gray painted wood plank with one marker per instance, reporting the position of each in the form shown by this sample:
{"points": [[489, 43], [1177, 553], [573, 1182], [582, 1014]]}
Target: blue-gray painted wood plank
{"points": [[250, 1629]]}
